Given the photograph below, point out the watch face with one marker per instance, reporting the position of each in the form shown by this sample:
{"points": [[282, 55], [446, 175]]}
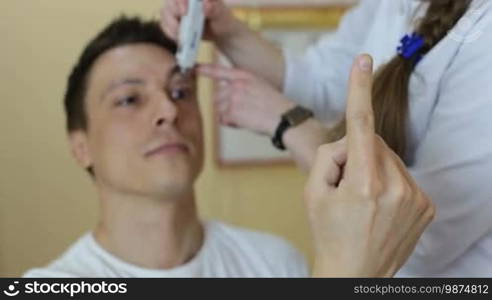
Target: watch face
{"points": [[298, 115]]}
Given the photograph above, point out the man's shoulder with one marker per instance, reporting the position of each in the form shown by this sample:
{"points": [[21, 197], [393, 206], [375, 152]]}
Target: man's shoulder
{"points": [[228, 232], [48, 272], [67, 265], [258, 246]]}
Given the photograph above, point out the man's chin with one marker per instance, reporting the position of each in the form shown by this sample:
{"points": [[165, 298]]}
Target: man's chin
{"points": [[170, 180], [175, 187]]}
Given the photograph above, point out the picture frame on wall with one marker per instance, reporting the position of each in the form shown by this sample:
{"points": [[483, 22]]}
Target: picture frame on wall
{"points": [[293, 27]]}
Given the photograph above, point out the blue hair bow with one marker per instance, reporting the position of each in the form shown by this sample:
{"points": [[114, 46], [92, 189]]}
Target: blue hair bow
{"points": [[410, 47]]}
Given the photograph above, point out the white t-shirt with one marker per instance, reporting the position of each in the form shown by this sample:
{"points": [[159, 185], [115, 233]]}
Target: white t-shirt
{"points": [[227, 251], [450, 121]]}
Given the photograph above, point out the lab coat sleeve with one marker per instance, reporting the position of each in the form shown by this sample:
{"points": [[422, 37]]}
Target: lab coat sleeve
{"points": [[318, 78], [454, 160]]}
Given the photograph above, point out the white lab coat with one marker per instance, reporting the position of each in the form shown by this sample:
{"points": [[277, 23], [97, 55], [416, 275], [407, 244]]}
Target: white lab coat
{"points": [[450, 121]]}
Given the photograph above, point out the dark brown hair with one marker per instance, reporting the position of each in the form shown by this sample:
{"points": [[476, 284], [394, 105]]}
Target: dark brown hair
{"points": [[390, 90]]}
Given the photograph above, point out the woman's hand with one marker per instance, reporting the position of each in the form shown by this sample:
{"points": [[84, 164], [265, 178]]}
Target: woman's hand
{"points": [[246, 101], [220, 20], [365, 210]]}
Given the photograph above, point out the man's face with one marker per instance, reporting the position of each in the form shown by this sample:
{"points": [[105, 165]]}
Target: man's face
{"points": [[144, 125]]}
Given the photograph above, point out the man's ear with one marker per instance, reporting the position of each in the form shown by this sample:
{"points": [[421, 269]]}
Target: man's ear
{"points": [[79, 146]]}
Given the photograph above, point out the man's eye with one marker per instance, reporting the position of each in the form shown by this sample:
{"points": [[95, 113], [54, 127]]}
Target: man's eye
{"points": [[179, 93], [127, 101]]}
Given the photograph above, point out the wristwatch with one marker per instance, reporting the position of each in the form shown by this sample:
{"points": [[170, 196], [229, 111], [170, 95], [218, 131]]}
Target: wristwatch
{"points": [[291, 118]]}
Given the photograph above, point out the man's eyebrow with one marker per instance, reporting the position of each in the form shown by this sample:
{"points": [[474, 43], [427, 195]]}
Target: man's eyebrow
{"points": [[173, 71], [137, 81], [117, 84]]}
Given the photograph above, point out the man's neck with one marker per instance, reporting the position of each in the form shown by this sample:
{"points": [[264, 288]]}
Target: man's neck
{"points": [[150, 233]]}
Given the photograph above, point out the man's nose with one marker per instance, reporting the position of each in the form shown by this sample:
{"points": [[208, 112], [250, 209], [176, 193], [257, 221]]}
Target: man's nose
{"points": [[165, 110]]}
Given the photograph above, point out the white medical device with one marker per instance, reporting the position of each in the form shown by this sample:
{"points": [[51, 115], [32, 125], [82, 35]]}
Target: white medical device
{"points": [[190, 35]]}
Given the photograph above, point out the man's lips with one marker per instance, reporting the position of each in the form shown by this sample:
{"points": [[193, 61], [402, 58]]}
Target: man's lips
{"points": [[169, 148]]}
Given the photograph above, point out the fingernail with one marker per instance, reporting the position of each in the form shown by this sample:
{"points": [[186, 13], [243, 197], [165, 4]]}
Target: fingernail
{"points": [[365, 63]]}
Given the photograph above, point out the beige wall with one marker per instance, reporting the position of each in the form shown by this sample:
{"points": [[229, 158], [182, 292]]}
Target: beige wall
{"points": [[45, 200]]}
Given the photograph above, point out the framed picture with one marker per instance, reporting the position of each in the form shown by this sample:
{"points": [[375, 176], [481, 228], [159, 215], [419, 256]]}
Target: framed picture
{"points": [[291, 26]]}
